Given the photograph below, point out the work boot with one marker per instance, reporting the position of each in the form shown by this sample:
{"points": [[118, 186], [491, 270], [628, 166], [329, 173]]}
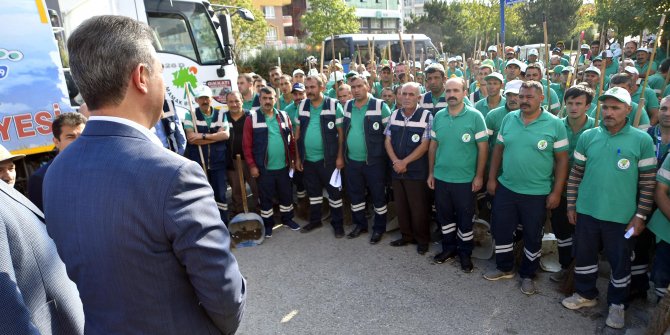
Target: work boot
{"points": [[576, 301], [616, 318], [528, 286], [558, 277], [496, 274]]}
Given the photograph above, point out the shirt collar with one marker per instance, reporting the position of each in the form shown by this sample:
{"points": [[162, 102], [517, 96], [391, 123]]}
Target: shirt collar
{"points": [[146, 132]]}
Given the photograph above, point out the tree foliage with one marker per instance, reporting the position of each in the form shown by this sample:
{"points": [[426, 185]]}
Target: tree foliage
{"points": [[247, 35], [261, 63], [561, 18], [327, 17], [631, 17]]}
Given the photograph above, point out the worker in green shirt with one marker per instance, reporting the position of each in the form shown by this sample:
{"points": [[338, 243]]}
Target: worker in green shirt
{"points": [[494, 83], [493, 55], [456, 164], [319, 135], [495, 117], [452, 71], [385, 80], [535, 72], [285, 88], [577, 102], [434, 100], [610, 194], [659, 223], [627, 82], [291, 110], [642, 62], [657, 80], [584, 60], [611, 65], [514, 70], [650, 99], [389, 97], [245, 85], [364, 121], [269, 150], [344, 94], [530, 134]]}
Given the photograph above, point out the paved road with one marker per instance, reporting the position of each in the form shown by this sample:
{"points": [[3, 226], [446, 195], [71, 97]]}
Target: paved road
{"points": [[315, 284]]}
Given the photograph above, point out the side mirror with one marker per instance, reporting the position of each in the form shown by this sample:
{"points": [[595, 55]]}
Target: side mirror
{"points": [[246, 14]]}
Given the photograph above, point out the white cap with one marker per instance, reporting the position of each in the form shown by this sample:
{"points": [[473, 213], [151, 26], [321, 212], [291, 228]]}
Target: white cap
{"points": [[336, 76], [366, 74], [436, 66], [513, 86], [459, 58], [607, 54], [451, 59], [496, 75], [643, 49], [536, 65], [313, 72], [5, 155], [617, 93], [482, 53], [518, 63], [493, 48], [592, 69], [427, 62], [298, 71], [631, 69], [533, 52], [203, 91], [585, 46]]}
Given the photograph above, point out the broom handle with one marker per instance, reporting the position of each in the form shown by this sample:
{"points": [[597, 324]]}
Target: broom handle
{"points": [[243, 186]]}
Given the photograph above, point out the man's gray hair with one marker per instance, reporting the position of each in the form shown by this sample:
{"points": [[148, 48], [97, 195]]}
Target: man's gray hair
{"points": [[413, 85], [104, 50]]}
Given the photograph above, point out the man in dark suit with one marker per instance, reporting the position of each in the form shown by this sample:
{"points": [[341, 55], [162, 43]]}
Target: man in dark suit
{"points": [[135, 224], [36, 295]]}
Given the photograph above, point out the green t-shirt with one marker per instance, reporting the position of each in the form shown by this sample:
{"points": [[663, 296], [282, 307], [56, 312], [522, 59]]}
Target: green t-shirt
{"points": [[656, 82], [642, 70], [536, 142], [650, 99], [356, 146], [378, 88], [659, 223], [493, 122], [483, 105], [292, 112], [555, 102], [468, 103], [454, 73], [457, 138], [644, 117], [276, 154], [283, 103], [574, 137], [247, 104], [313, 139], [608, 190], [558, 88]]}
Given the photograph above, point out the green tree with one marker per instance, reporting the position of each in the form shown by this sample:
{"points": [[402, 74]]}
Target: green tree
{"points": [[451, 30], [561, 18], [327, 17], [631, 17], [247, 35]]}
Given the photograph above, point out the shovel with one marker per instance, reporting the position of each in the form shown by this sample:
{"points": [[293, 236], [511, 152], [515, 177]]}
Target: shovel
{"points": [[246, 229]]}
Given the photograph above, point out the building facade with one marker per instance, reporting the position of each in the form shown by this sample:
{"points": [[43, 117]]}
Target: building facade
{"points": [[378, 16]]}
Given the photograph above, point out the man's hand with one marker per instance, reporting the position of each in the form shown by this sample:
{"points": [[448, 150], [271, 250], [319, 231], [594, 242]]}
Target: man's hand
{"points": [[477, 184], [431, 181], [638, 225], [572, 216], [553, 200], [254, 172], [400, 166], [339, 163], [191, 136], [298, 165], [491, 186]]}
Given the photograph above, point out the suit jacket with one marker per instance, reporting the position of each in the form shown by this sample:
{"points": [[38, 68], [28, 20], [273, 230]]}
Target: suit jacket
{"points": [[141, 235], [35, 185], [36, 295]]}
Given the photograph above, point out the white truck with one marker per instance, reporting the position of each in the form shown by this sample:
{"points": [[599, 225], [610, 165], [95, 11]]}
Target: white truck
{"points": [[193, 40]]}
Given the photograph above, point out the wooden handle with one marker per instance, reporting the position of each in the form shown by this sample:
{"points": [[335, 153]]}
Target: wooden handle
{"points": [[243, 186]]}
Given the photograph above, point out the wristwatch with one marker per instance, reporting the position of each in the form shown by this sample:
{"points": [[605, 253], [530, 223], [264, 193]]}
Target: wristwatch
{"points": [[643, 217], [203, 136]]}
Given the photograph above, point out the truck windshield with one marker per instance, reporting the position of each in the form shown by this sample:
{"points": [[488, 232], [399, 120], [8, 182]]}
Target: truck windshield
{"points": [[184, 28]]}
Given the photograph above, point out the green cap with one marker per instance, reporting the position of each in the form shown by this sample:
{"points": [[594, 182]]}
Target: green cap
{"points": [[558, 69], [489, 62]]}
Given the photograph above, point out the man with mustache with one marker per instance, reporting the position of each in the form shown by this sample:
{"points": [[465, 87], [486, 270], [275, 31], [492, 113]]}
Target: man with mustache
{"points": [[659, 222], [212, 132], [320, 153], [535, 72], [365, 119], [626, 81], [269, 151], [610, 194], [577, 101], [456, 162], [529, 135]]}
